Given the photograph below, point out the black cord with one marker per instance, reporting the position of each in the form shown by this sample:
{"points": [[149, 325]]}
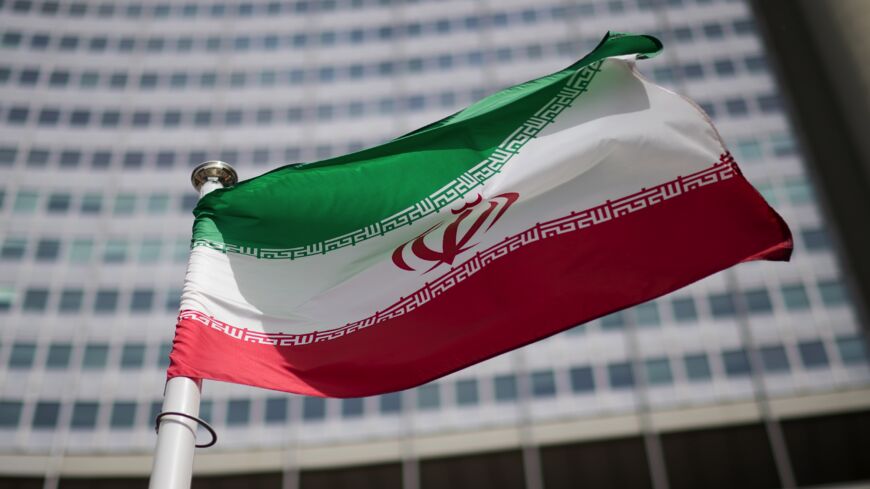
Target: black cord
{"points": [[201, 422]]}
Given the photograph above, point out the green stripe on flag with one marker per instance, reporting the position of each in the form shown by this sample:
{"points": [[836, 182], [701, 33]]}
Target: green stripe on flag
{"points": [[314, 208]]}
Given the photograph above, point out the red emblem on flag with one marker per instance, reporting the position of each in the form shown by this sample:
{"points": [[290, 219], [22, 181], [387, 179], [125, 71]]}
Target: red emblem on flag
{"points": [[471, 220]]}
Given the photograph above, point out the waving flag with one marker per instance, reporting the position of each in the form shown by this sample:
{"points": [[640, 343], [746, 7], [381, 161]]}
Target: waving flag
{"points": [[543, 206]]}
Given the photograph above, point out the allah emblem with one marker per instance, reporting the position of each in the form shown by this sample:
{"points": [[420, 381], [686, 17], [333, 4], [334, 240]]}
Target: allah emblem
{"points": [[471, 221]]}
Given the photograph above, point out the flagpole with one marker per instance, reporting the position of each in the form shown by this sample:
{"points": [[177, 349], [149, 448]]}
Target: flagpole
{"points": [[176, 435]]}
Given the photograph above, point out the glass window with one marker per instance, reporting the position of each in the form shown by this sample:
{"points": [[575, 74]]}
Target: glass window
{"points": [[125, 204], [736, 363], [10, 414], [22, 355], [118, 80], [697, 367], [45, 415], [110, 118], [853, 350], [758, 301], [35, 300], [744, 26], [70, 300], [13, 248], [172, 118], [123, 414], [163, 352], [202, 118], [713, 31], [815, 239], [59, 355], [722, 306], [115, 251], [106, 301], [774, 359], [141, 118], [693, 71], [84, 415], [684, 309], [543, 383], [621, 375], [7, 156], [58, 203], [69, 43], [133, 159], [11, 39], [795, 297], [173, 300], [37, 157], [724, 67], [89, 79], [142, 300], [647, 314], [70, 159], [813, 354], [352, 408], [96, 355], [832, 293], [428, 396], [737, 107], [276, 410], [39, 41], [582, 379], [390, 403], [165, 159], [80, 250], [798, 191], [615, 320], [505, 387], [48, 117], [7, 294], [238, 412], [91, 203], [133, 356], [658, 371], [749, 150], [755, 63], [466, 392], [150, 251], [25, 202], [101, 160], [769, 103], [313, 408]]}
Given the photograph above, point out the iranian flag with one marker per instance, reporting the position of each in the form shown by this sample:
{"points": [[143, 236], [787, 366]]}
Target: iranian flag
{"points": [[540, 207]]}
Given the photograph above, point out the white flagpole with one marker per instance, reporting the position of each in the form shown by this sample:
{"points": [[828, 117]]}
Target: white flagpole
{"points": [[176, 437]]}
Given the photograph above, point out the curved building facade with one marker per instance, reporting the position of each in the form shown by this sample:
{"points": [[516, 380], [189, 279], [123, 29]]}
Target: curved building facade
{"points": [[755, 377]]}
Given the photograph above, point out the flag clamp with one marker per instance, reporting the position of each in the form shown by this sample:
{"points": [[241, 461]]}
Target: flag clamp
{"points": [[199, 421]]}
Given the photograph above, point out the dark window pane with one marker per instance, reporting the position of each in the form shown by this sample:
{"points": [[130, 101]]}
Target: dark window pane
{"points": [[813, 354], [428, 396], [71, 300], [774, 359], [276, 410], [95, 356], [658, 371], [505, 388], [45, 415], [697, 367], [684, 309], [10, 414], [59, 355], [621, 375], [123, 414], [84, 415], [238, 412], [543, 383], [722, 305], [35, 299], [352, 408], [133, 356], [853, 350], [736, 363], [106, 301], [466, 392], [390, 403], [313, 408], [582, 379], [758, 301], [22, 355]]}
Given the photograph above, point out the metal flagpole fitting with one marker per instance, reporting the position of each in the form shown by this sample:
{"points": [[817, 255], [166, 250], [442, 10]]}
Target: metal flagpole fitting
{"points": [[177, 423], [211, 175]]}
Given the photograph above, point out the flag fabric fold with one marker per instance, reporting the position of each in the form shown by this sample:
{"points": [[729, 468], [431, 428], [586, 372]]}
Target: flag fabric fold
{"points": [[540, 207]]}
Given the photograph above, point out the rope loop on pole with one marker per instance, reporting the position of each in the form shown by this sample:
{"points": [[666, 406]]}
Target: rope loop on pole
{"points": [[199, 421]]}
